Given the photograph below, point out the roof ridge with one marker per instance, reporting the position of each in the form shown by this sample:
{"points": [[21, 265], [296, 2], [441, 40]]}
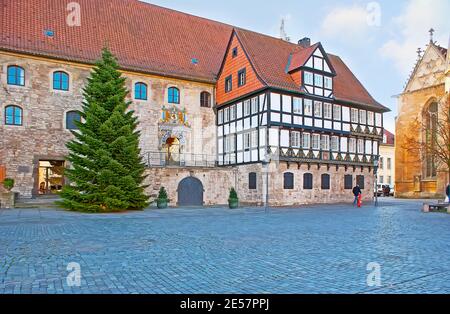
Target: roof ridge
{"points": [[360, 83]]}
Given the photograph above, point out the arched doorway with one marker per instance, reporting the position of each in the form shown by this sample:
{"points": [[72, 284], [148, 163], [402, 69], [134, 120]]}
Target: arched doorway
{"points": [[173, 150], [190, 192]]}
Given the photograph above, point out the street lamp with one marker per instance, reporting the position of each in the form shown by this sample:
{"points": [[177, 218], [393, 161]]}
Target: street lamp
{"points": [[265, 164], [375, 171]]}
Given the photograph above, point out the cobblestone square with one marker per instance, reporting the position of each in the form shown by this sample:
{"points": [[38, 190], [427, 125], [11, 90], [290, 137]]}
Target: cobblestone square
{"points": [[316, 249]]}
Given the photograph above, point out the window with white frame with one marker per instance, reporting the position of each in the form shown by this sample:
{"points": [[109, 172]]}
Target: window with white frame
{"points": [[230, 143], [318, 109], [308, 107], [315, 141], [226, 116], [325, 142], [327, 110], [247, 140], [335, 143], [254, 105], [318, 80], [220, 118], [232, 112], [306, 140], [354, 115], [378, 119], [375, 148], [370, 118], [247, 107], [337, 112], [328, 82], [344, 144], [295, 139], [352, 145], [368, 147], [254, 139], [297, 105], [309, 78], [360, 146], [362, 117]]}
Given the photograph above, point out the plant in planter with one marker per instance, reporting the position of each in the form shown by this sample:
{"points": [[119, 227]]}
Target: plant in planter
{"points": [[8, 184], [162, 199], [233, 200], [8, 198]]}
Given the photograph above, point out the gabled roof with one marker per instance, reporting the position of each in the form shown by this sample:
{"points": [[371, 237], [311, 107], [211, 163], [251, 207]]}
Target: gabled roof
{"points": [[390, 138], [300, 57], [270, 57], [442, 52], [144, 37], [155, 40]]}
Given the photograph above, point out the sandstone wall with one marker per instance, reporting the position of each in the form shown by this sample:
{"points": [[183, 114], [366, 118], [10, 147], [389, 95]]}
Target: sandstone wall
{"points": [[43, 134], [218, 181], [410, 166]]}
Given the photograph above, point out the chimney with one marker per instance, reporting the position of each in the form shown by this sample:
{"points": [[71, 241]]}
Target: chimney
{"points": [[304, 42]]}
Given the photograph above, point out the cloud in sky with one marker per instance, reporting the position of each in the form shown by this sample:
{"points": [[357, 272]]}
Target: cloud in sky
{"points": [[411, 26], [351, 23]]}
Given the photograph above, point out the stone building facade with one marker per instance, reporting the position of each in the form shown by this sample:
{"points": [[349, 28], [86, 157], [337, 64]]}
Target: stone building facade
{"points": [[416, 175], [312, 133], [386, 168]]}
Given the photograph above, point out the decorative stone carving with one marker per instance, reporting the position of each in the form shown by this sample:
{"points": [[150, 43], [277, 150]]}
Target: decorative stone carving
{"points": [[173, 123]]}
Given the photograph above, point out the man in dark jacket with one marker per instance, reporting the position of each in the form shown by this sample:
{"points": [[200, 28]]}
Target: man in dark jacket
{"points": [[356, 192], [447, 191]]}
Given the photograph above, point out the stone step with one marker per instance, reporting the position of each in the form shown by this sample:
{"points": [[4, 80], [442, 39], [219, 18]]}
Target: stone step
{"points": [[38, 202]]}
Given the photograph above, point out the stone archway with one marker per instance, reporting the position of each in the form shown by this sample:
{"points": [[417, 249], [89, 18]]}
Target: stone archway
{"points": [[190, 192], [172, 150]]}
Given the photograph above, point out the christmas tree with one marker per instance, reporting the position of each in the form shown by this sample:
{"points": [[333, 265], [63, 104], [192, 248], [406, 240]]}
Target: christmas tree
{"points": [[106, 172]]}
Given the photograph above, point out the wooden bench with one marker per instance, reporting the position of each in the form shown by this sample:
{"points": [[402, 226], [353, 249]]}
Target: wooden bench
{"points": [[436, 207]]}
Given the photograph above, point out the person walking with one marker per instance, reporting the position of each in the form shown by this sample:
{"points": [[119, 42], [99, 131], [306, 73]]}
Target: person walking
{"points": [[356, 193], [447, 192]]}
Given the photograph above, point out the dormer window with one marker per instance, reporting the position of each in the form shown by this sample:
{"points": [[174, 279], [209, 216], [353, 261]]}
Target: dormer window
{"points": [[328, 82], [318, 80], [309, 78]]}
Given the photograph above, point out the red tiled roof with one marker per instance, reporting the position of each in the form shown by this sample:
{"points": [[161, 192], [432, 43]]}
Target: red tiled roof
{"points": [[299, 58], [390, 138], [270, 57], [155, 40], [144, 37]]}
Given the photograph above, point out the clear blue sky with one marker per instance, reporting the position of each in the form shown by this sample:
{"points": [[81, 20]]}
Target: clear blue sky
{"points": [[377, 39]]}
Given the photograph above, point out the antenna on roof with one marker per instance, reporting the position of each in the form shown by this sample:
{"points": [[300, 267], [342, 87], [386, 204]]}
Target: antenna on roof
{"points": [[283, 34]]}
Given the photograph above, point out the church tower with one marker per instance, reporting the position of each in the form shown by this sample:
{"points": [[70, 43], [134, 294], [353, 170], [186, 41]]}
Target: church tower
{"points": [[447, 73]]}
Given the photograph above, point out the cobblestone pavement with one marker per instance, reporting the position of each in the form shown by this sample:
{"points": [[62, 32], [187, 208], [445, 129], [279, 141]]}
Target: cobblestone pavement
{"points": [[316, 249]]}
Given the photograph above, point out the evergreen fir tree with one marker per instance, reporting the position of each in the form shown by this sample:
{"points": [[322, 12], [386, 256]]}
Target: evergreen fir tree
{"points": [[107, 172]]}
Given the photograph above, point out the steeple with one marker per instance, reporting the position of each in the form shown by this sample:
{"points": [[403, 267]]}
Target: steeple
{"points": [[431, 31]]}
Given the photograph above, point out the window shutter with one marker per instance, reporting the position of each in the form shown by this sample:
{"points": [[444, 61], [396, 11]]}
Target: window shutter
{"points": [[360, 181], [325, 181], [288, 181], [348, 182], [307, 181], [252, 181]]}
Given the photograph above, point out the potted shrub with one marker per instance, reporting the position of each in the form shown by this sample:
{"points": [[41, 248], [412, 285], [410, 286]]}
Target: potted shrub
{"points": [[8, 198], [233, 200], [8, 184], [162, 199]]}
